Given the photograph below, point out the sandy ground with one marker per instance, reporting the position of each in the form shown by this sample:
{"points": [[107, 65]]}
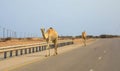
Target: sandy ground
{"points": [[21, 42]]}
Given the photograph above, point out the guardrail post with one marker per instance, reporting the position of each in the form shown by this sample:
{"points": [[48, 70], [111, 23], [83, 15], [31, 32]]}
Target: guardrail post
{"points": [[42, 48], [39, 48], [67, 43], [36, 49], [29, 50], [61, 44], [10, 53], [52, 46], [21, 52], [33, 49], [16, 52], [5, 54], [45, 47], [25, 51]]}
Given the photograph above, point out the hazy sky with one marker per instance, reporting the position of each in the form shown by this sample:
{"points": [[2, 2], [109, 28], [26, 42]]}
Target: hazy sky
{"points": [[68, 17]]}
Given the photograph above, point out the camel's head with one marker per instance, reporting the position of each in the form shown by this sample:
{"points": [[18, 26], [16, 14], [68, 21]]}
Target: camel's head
{"points": [[43, 32], [51, 28], [42, 29]]}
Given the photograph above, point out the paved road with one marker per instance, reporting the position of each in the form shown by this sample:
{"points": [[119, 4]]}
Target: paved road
{"points": [[103, 55]]}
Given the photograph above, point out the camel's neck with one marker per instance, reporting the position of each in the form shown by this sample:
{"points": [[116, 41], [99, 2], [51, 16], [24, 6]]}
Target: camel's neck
{"points": [[43, 34]]}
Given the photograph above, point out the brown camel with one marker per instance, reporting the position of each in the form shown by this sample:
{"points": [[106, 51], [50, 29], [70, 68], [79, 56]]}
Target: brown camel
{"points": [[50, 36], [84, 35]]}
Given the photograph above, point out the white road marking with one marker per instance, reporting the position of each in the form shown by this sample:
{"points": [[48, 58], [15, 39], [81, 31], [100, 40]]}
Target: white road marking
{"points": [[99, 58], [91, 70]]}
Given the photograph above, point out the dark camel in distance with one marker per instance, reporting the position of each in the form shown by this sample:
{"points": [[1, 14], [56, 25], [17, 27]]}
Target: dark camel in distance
{"points": [[84, 36]]}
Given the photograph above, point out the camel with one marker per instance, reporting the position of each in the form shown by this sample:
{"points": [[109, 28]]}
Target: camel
{"points": [[84, 35], [50, 36]]}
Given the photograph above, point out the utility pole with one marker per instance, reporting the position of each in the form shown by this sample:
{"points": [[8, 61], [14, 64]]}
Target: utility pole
{"points": [[7, 33], [3, 33], [15, 35]]}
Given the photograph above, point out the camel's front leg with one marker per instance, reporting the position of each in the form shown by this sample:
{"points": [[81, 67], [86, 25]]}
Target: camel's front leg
{"points": [[47, 50], [84, 41]]}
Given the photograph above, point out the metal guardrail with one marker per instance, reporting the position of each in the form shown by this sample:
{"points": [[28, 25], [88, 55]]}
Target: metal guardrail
{"points": [[10, 51]]}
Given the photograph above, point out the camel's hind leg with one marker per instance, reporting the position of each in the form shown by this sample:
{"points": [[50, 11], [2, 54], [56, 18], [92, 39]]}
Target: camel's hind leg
{"points": [[55, 48]]}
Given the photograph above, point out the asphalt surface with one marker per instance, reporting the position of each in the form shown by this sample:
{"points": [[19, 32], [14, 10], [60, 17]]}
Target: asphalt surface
{"points": [[103, 55]]}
